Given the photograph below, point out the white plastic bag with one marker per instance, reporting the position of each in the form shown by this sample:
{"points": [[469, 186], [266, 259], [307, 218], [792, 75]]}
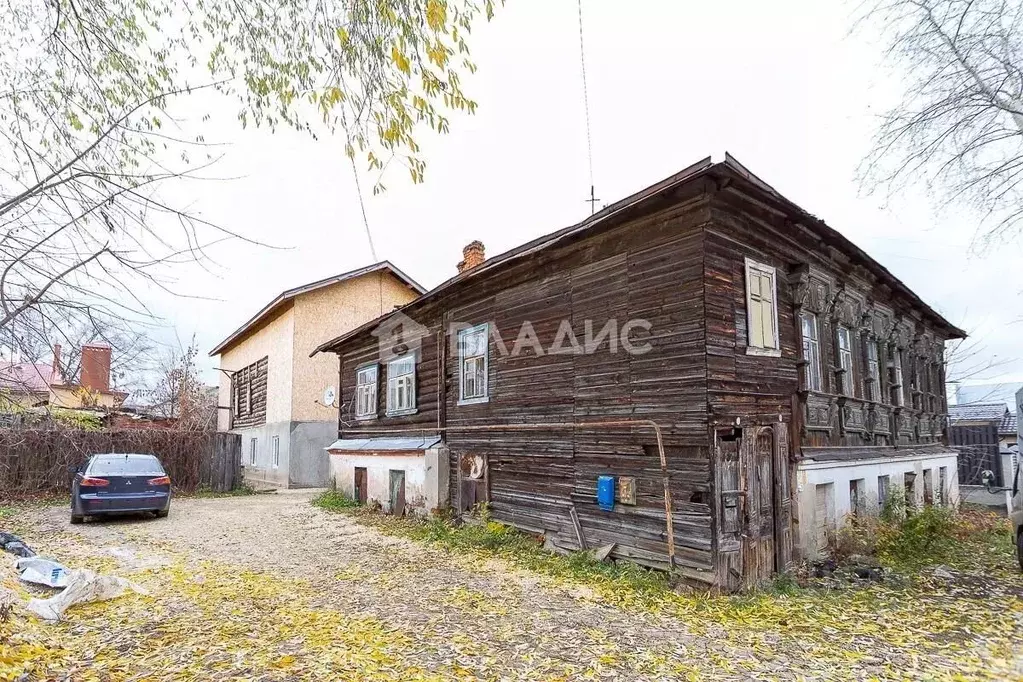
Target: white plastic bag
{"points": [[42, 572], [82, 586]]}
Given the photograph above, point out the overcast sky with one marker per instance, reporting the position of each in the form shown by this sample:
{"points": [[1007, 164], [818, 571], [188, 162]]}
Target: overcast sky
{"points": [[780, 85]]}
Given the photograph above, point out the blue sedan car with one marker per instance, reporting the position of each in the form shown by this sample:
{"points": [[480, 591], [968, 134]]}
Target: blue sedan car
{"points": [[120, 483]]}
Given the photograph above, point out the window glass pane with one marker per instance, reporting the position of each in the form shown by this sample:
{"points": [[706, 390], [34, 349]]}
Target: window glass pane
{"points": [[367, 375], [402, 366], [120, 465], [809, 330], [474, 343]]}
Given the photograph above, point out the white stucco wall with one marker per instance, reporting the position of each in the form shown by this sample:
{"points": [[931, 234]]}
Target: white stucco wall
{"points": [[378, 475], [810, 474], [426, 477]]}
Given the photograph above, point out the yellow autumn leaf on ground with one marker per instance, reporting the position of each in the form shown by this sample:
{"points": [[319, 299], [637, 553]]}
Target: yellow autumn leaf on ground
{"points": [[271, 588]]}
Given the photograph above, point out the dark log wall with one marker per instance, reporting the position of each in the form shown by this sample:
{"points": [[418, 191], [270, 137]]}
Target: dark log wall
{"points": [[815, 277], [673, 266], [647, 269], [368, 350], [759, 391], [248, 395]]}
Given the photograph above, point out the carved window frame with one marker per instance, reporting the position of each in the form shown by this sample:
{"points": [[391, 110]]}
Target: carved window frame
{"points": [[873, 371], [845, 360], [811, 351]]}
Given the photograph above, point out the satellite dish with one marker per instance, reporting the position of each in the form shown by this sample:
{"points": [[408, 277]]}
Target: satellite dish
{"points": [[328, 396]]}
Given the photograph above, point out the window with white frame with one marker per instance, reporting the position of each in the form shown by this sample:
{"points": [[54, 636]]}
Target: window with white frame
{"points": [[811, 351], [761, 309], [252, 450], [401, 385], [900, 394], [845, 360], [366, 392], [873, 372], [473, 360], [275, 451]]}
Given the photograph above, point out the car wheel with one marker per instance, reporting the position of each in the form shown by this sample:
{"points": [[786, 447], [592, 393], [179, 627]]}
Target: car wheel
{"points": [[162, 514], [76, 519]]}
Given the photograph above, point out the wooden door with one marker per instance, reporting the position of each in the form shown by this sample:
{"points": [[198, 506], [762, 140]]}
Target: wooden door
{"points": [[361, 493], [473, 481], [731, 506], [757, 465], [782, 499], [398, 492]]}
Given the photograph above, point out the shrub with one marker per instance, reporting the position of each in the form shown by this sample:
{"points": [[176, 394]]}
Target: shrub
{"points": [[923, 537], [926, 537], [859, 535]]}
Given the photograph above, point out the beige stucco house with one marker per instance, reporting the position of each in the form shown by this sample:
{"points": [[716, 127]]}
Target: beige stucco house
{"points": [[272, 392]]}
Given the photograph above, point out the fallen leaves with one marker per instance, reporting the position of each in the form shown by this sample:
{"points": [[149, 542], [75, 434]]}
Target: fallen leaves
{"points": [[270, 590]]}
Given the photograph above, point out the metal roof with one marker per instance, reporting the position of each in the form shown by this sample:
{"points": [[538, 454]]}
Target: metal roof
{"points": [[25, 377], [863, 452], [383, 444], [977, 412], [731, 168], [287, 295]]}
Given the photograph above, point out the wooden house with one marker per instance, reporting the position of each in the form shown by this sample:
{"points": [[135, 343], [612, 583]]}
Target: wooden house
{"points": [[718, 352]]}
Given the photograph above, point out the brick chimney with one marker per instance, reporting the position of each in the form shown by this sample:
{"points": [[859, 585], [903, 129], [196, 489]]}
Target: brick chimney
{"points": [[96, 368], [472, 256], [56, 376]]}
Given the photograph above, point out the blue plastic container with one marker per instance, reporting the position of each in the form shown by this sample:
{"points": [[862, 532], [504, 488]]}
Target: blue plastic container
{"points": [[606, 492]]}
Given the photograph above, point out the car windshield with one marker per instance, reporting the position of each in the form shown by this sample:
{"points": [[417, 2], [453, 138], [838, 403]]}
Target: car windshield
{"points": [[121, 465]]}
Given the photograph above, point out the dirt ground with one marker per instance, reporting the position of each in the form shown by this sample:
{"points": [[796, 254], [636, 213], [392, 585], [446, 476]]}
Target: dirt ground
{"points": [[270, 587]]}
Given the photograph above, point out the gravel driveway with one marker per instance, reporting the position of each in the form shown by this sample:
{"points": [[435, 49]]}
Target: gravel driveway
{"points": [[270, 587]]}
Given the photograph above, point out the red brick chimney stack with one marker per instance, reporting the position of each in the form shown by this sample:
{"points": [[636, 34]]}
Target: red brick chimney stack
{"points": [[472, 256], [96, 368]]}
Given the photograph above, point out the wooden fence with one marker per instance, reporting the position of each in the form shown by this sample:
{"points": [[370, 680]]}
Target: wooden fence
{"points": [[978, 451], [34, 462]]}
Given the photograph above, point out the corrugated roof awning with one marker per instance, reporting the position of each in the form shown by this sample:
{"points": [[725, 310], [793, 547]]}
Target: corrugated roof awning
{"points": [[383, 444], [869, 452]]}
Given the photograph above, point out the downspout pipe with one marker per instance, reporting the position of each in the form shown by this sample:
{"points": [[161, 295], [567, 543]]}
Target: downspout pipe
{"points": [[543, 426]]}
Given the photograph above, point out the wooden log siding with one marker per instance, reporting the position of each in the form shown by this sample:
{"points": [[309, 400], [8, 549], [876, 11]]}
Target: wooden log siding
{"points": [[675, 260], [249, 383]]}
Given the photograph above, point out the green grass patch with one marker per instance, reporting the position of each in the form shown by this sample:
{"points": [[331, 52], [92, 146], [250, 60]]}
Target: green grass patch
{"points": [[240, 491], [334, 500], [6, 512]]}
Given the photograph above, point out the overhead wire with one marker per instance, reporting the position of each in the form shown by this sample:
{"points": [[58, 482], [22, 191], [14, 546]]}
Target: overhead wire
{"points": [[362, 206], [586, 107]]}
